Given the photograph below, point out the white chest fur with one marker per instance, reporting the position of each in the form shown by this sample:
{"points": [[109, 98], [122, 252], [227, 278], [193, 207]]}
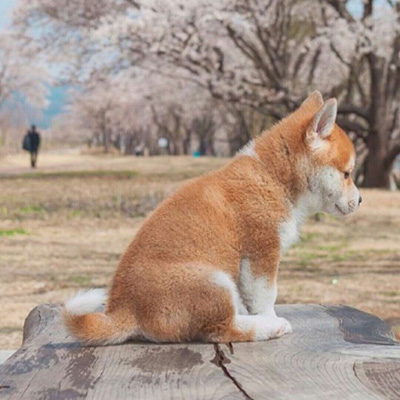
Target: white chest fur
{"points": [[289, 233], [290, 228]]}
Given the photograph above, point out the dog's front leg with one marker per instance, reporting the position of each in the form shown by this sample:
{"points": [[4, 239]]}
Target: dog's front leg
{"points": [[258, 289]]}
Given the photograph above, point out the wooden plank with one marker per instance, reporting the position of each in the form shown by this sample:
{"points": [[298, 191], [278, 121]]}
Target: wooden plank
{"points": [[335, 352], [313, 363], [50, 365]]}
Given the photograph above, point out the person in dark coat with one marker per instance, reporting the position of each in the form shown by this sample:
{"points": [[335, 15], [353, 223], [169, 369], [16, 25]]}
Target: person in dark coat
{"points": [[32, 143]]}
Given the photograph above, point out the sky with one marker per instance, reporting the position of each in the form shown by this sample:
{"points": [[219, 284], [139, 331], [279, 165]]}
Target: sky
{"points": [[5, 8]]}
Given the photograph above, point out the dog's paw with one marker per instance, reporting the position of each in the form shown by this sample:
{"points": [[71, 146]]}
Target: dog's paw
{"points": [[281, 326]]}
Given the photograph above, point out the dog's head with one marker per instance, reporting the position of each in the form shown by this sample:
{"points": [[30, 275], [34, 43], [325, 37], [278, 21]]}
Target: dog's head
{"points": [[330, 158]]}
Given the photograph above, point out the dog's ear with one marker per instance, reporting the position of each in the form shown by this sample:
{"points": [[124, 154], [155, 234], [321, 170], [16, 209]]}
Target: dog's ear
{"points": [[313, 102], [323, 122]]}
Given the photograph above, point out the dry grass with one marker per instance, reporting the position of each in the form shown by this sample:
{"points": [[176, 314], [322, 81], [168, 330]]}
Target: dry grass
{"points": [[65, 226]]}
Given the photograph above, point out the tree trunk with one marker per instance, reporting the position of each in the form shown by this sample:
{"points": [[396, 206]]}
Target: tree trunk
{"points": [[106, 141], [377, 167], [210, 147], [179, 147], [378, 176]]}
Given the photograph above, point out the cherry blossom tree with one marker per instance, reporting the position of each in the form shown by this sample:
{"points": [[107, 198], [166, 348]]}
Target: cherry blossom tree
{"points": [[368, 47], [19, 77], [22, 88], [268, 54], [260, 55], [130, 111]]}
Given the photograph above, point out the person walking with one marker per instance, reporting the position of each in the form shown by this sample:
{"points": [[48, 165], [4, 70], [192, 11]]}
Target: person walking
{"points": [[31, 143]]}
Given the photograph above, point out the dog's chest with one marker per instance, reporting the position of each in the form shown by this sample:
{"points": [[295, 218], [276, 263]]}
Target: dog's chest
{"points": [[289, 233], [289, 230]]}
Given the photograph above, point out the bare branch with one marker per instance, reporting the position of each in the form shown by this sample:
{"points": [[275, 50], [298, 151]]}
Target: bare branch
{"points": [[340, 7], [353, 109]]}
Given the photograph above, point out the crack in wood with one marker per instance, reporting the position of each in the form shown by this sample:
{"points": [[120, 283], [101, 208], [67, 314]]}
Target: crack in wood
{"points": [[230, 347], [220, 360], [355, 370], [93, 384]]}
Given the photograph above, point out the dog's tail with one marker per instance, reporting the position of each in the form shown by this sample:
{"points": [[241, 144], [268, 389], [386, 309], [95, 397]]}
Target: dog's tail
{"points": [[91, 327]]}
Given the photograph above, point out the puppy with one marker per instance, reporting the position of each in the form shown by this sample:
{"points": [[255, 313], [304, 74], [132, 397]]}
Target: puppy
{"points": [[204, 265]]}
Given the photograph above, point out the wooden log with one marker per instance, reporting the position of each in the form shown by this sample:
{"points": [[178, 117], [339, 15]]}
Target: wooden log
{"points": [[335, 352]]}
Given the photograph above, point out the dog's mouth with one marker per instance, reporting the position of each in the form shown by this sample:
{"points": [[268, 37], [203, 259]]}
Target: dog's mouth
{"points": [[340, 210]]}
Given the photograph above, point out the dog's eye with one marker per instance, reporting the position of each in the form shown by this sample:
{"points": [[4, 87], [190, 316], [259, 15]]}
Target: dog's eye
{"points": [[346, 175]]}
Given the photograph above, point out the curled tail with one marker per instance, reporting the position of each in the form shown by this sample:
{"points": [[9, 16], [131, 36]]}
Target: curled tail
{"points": [[91, 327]]}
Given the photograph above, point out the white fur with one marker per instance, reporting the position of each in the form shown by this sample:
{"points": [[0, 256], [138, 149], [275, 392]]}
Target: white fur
{"points": [[89, 301], [263, 326], [318, 144], [224, 280], [325, 118], [325, 189], [85, 302], [322, 125], [258, 295], [325, 194], [248, 150], [289, 231], [335, 200]]}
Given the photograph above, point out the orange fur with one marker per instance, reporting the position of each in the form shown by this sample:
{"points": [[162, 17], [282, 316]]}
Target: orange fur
{"points": [[162, 289]]}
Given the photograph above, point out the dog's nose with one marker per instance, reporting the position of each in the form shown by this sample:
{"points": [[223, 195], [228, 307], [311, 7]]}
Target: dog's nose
{"points": [[360, 200]]}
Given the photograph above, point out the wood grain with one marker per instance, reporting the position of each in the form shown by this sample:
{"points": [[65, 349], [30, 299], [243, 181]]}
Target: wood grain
{"points": [[335, 352], [383, 377]]}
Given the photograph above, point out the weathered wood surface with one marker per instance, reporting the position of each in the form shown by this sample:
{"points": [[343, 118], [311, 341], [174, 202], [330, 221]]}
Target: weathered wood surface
{"points": [[334, 353]]}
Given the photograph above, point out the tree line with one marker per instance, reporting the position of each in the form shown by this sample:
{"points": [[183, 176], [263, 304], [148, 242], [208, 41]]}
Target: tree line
{"points": [[221, 71]]}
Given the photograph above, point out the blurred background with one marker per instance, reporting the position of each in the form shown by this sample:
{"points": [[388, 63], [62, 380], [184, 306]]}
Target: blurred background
{"points": [[132, 97]]}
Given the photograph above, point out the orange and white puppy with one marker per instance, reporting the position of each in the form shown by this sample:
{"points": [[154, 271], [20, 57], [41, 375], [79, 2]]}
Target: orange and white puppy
{"points": [[204, 265]]}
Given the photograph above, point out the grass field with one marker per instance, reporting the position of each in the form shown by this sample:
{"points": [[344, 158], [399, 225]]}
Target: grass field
{"points": [[65, 226]]}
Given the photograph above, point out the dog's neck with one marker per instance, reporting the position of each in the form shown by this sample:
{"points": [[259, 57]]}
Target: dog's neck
{"points": [[282, 153]]}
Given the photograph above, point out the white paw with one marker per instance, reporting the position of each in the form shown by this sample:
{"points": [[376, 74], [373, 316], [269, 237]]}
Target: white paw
{"points": [[281, 327]]}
